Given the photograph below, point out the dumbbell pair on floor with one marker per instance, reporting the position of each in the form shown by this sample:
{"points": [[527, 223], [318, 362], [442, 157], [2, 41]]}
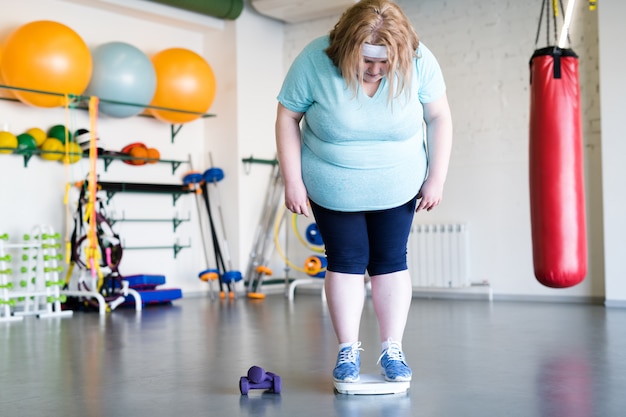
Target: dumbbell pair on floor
{"points": [[257, 378]]}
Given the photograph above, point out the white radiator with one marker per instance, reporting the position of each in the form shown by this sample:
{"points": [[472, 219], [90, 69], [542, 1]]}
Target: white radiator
{"points": [[438, 256]]}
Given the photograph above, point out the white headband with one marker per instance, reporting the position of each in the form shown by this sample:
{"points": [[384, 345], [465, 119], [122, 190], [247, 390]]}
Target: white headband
{"points": [[374, 51]]}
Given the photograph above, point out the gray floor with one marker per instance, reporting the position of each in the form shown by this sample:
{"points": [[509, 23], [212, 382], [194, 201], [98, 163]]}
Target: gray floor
{"points": [[469, 358]]}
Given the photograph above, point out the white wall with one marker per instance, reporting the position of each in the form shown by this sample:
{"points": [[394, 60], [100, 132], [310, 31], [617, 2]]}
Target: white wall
{"points": [[484, 49], [259, 75], [244, 62], [34, 194], [613, 91]]}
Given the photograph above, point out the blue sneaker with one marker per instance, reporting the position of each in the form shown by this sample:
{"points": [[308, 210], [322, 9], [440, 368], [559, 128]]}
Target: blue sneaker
{"points": [[394, 366], [348, 364]]}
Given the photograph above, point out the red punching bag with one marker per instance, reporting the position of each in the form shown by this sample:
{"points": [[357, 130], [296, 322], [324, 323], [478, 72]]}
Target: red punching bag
{"points": [[557, 194]]}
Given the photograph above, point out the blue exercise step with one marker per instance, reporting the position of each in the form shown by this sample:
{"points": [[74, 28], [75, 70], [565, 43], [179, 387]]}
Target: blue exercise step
{"points": [[144, 282], [160, 296]]}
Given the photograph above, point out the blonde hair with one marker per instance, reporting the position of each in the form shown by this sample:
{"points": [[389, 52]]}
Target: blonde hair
{"points": [[378, 22]]}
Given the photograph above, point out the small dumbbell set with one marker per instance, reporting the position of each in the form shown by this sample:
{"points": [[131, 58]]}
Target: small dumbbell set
{"points": [[258, 379]]}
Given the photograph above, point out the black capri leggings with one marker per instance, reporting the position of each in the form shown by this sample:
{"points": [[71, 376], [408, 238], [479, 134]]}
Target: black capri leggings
{"points": [[365, 240]]}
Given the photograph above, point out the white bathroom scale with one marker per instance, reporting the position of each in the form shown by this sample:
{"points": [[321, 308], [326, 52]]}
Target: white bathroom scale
{"points": [[371, 384]]}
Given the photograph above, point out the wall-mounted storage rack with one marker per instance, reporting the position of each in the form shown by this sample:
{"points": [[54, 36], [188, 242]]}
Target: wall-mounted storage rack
{"points": [[76, 101], [111, 188], [108, 158], [176, 247], [175, 221]]}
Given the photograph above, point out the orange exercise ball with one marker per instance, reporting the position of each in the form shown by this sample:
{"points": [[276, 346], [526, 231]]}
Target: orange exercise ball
{"points": [[185, 81], [4, 92], [47, 56], [154, 155]]}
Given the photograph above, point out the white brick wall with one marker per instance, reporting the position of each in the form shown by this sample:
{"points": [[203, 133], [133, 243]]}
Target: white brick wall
{"points": [[484, 48]]}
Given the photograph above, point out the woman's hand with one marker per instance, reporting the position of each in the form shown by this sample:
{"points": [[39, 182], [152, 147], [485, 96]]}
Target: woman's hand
{"points": [[296, 199], [430, 195]]}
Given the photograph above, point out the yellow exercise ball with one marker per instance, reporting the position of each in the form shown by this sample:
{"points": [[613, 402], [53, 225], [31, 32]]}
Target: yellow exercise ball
{"points": [[52, 149], [73, 154], [7, 140], [47, 56], [39, 135], [185, 81]]}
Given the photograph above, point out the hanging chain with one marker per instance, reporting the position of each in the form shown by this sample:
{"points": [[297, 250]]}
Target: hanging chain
{"points": [[545, 9]]}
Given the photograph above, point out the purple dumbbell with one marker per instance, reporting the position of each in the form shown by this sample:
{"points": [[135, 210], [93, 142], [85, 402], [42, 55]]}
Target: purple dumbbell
{"points": [[259, 379]]}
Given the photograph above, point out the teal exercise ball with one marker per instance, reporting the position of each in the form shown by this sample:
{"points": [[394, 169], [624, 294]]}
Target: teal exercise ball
{"points": [[121, 74]]}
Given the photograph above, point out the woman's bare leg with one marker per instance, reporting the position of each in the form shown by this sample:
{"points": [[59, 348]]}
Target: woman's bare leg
{"points": [[345, 294], [392, 294]]}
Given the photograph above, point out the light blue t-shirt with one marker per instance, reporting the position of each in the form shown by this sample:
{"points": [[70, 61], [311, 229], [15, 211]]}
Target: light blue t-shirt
{"points": [[359, 153]]}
